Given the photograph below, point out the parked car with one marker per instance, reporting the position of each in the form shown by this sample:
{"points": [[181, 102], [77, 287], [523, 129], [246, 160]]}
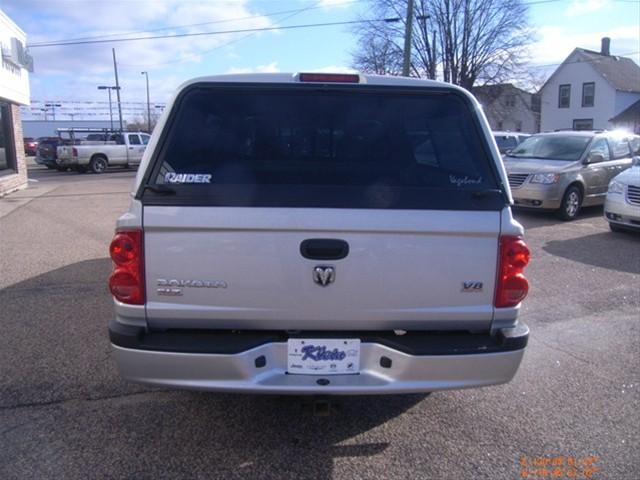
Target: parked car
{"points": [[117, 149], [46, 152], [509, 140], [319, 234], [564, 171], [30, 146], [622, 205]]}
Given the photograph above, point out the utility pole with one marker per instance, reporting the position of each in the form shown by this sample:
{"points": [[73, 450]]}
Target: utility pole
{"points": [[115, 69], [53, 109], [148, 103], [406, 64], [108, 88]]}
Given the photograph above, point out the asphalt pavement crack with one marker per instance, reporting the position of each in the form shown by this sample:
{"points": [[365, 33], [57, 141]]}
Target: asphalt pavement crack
{"points": [[78, 400]]}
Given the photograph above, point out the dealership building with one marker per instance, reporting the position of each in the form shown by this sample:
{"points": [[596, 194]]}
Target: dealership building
{"points": [[14, 92]]}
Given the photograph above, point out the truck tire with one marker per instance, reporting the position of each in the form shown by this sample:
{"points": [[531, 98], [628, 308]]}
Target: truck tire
{"points": [[98, 164], [571, 203]]}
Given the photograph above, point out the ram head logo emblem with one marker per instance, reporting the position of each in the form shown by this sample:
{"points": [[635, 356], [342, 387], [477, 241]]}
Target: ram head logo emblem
{"points": [[324, 275]]}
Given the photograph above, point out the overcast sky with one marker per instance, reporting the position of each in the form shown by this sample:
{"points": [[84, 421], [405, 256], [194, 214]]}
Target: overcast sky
{"points": [[73, 73]]}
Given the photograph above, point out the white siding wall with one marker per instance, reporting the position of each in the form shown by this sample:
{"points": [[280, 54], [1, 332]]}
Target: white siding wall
{"points": [[575, 74], [14, 81], [502, 117], [625, 100]]}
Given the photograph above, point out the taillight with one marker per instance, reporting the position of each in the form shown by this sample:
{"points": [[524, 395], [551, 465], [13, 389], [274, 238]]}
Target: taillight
{"points": [[329, 77], [127, 279], [512, 286], [74, 152]]}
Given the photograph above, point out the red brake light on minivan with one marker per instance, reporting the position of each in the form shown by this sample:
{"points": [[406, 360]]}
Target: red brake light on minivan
{"points": [[329, 77], [512, 286], [126, 282]]}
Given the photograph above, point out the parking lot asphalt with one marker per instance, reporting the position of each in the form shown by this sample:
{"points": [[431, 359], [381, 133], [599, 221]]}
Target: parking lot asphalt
{"points": [[65, 413]]}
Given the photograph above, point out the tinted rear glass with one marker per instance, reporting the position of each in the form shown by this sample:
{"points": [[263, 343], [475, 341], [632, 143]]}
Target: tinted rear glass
{"points": [[238, 142]]}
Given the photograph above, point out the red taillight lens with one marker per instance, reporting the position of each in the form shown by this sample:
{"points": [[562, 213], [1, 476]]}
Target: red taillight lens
{"points": [[330, 77], [512, 286], [125, 247], [127, 280], [74, 151]]}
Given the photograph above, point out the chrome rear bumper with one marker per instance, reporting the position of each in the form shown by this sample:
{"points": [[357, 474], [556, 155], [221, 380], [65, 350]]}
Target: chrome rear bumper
{"points": [[263, 370]]}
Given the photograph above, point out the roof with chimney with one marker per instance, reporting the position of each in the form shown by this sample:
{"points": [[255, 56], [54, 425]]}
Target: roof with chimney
{"points": [[621, 73]]}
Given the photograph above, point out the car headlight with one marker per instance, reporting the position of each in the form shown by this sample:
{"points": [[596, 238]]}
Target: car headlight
{"points": [[545, 178], [616, 187]]}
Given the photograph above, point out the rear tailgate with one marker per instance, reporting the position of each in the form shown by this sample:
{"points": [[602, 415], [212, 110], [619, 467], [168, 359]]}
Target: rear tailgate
{"points": [[244, 175], [65, 153], [404, 270]]}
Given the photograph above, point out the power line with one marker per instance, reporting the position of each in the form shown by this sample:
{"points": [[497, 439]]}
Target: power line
{"points": [[625, 55], [226, 44], [314, 6], [223, 32]]}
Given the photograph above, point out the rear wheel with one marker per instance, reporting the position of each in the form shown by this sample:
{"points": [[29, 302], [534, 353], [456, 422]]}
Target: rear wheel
{"points": [[98, 164], [571, 203]]}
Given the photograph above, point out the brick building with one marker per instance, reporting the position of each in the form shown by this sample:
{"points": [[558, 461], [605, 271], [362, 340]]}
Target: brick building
{"points": [[14, 92]]}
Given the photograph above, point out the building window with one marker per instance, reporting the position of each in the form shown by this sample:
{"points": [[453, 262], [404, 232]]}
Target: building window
{"points": [[588, 94], [7, 142], [564, 96], [510, 101], [535, 103], [583, 124]]}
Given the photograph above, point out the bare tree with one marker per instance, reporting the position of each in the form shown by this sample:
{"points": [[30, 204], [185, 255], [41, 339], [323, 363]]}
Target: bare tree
{"points": [[139, 124], [379, 55], [460, 41]]}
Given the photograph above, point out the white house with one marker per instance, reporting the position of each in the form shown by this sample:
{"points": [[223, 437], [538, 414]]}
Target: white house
{"points": [[14, 91], [588, 90], [508, 107]]}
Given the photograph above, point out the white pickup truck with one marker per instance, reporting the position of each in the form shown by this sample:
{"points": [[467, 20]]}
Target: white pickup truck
{"points": [[116, 149], [319, 234]]}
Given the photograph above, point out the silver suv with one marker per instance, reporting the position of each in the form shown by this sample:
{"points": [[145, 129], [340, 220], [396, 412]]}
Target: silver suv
{"points": [[319, 234], [564, 171]]}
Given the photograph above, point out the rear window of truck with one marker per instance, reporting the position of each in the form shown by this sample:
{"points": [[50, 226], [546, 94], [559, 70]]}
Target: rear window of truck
{"points": [[302, 146]]}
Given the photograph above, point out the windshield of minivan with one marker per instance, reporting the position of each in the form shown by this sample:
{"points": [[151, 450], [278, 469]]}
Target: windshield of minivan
{"points": [[552, 147]]}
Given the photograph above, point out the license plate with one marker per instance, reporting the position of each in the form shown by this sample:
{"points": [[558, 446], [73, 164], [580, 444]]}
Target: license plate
{"points": [[323, 356]]}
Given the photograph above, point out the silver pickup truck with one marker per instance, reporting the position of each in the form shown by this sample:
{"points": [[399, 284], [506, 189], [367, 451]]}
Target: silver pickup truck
{"points": [[117, 149], [319, 234]]}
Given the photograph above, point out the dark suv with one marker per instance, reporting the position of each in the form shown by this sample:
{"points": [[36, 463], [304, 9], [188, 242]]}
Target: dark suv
{"points": [[46, 153]]}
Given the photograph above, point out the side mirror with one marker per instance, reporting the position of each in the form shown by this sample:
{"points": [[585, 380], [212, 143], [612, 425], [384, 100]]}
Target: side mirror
{"points": [[594, 157], [636, 161]]}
